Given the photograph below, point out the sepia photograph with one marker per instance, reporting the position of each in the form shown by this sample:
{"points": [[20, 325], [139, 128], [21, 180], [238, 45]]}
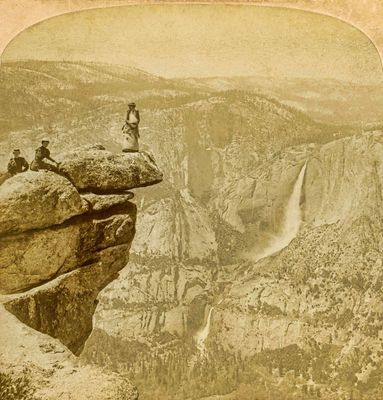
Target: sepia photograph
{"points": [[191, 200]]}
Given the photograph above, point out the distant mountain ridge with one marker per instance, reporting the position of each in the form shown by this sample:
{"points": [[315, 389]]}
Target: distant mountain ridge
{"points": [[74, 103], [330, 101]]}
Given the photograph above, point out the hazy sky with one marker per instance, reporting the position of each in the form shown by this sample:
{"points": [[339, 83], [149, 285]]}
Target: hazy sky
{"points": [[200, 40]]}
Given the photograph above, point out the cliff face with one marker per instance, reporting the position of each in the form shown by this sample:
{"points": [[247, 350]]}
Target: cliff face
{"points": [[185, 231], [315, 307], [344, 180], [63, 240], [311, 306]]}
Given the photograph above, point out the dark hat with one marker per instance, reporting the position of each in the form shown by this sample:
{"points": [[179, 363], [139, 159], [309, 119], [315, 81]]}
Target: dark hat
{"points": [[14, 150], [132, 104]]}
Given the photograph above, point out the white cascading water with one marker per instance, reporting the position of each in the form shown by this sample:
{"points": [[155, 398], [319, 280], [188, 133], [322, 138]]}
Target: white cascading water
{"points": [[202, 335], [291, 221]]}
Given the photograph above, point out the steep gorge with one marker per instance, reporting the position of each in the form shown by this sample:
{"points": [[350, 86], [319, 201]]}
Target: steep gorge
{"points": [[306, 315]]}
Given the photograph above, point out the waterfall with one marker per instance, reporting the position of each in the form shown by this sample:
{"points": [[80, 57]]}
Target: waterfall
{"points": [[202, 334], [291, 220]]}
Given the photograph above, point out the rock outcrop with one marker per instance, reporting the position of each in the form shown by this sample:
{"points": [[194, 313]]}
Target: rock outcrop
{"points": [[103, 202], [61, 244], [37, 200], [93, 168], [35, 257]]}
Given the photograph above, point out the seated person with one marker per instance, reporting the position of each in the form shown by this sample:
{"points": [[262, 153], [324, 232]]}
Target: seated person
{"points": [[41, 154], [17, 164]]}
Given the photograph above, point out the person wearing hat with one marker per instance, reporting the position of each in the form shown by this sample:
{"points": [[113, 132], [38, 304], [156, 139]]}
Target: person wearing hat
{"points": [[41, 154], [130, 129], [17, 164]]}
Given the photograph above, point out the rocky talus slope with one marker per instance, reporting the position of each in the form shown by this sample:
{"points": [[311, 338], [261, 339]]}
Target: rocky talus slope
{"points": [[63, 239]]}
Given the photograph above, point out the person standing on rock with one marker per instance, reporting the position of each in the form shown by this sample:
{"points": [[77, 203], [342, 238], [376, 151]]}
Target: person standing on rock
{"points": [[130, 129], [17, 164], [41, 154]]}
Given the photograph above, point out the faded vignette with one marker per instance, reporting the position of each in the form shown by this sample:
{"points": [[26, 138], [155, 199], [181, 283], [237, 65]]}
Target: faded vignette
{"points": [[238, 253]]}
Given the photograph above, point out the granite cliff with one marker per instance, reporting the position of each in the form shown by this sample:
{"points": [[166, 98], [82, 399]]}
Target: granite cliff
{"points": [[63, 239], [299, 313]]}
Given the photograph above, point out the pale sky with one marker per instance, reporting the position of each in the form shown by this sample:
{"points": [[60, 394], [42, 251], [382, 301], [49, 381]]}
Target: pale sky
{"points": [[205, 40]]}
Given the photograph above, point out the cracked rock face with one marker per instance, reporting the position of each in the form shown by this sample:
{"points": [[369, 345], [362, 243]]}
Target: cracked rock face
{"points": [[64, 307], [32, 258], [103, 202], [35, 200], [60, 248]]}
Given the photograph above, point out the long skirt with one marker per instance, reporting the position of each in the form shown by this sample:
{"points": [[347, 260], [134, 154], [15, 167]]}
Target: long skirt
{"points": [[131, 136]]}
